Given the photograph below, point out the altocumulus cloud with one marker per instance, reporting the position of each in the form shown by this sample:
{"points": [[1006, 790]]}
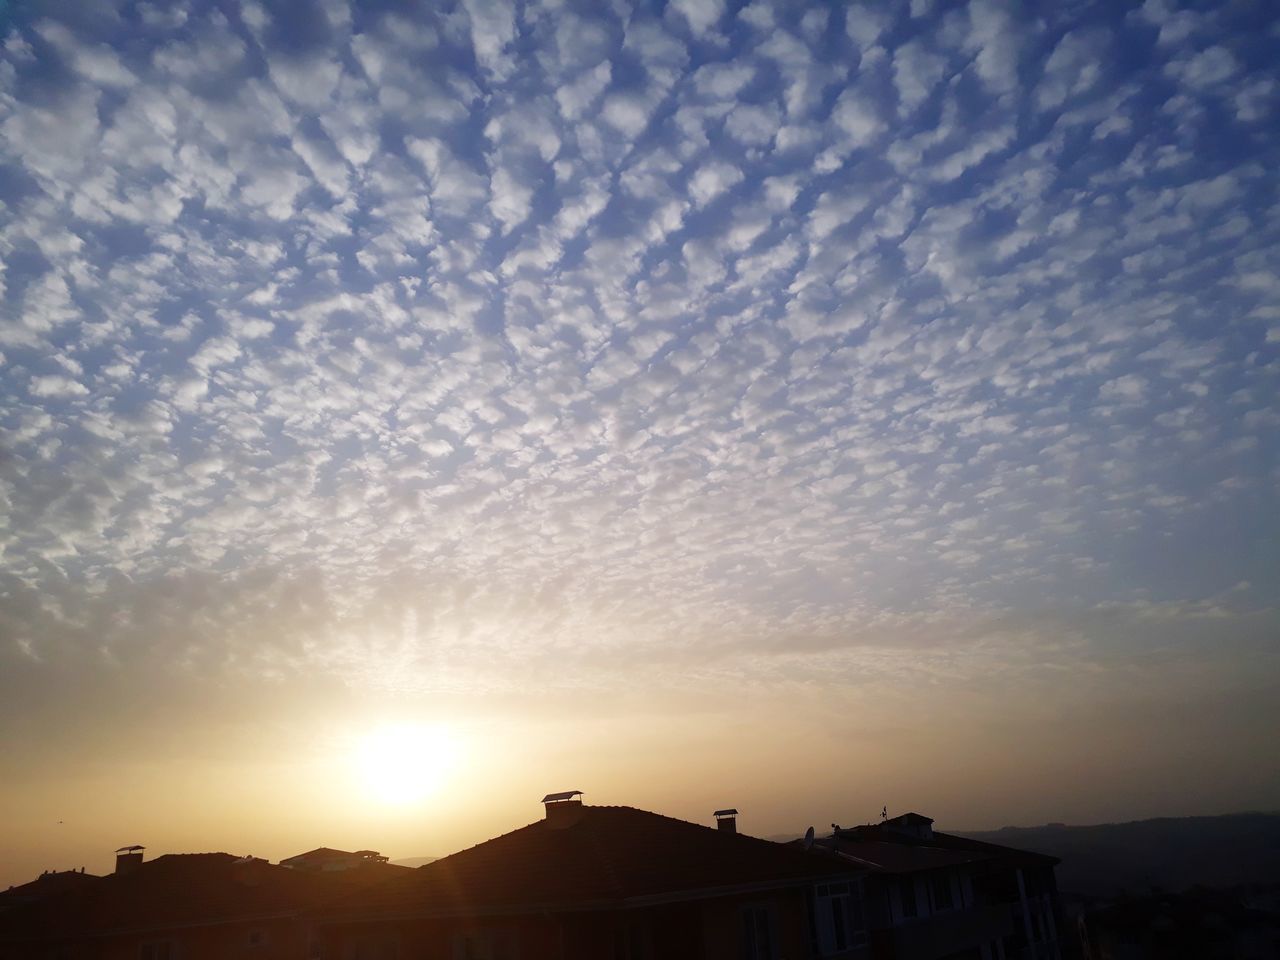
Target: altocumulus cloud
{"points": [[931, 341]]}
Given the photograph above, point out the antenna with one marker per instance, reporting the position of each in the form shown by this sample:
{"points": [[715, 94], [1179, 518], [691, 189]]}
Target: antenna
{"points": [[808, 838]]}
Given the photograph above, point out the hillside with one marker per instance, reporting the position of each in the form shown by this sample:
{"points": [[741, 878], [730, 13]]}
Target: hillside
{"points": [[1169, 853]]}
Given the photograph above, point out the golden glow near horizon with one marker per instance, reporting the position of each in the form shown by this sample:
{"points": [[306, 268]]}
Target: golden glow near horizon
{"points": [[405, 763]]}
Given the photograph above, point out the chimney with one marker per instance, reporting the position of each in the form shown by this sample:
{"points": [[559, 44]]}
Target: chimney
{"points": [[727, 820], [128, 859], [563, 809]]}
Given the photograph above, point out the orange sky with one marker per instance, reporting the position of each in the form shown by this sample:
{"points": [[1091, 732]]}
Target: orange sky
{"points": [[287, 774]]}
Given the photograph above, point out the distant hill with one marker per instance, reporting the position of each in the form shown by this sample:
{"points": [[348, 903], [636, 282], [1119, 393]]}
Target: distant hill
{"points": [[414, 861], [1171, 854]]}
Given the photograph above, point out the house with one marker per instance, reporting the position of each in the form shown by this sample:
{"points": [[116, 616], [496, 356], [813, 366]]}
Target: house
{"points": [[178, 907], [581, 883], [608, 882], [51, 883], [935, 896], [326, 860]]}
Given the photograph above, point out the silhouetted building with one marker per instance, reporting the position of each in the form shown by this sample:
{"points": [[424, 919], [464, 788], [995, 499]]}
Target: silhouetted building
{"points": [[931, 895], [606, 882], [326, 860], [179, 907], [51, 883], [582, 883]]}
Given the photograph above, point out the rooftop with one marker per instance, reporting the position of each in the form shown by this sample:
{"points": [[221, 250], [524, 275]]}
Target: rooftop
{"points": [[607, 857], [188, 889], [47, 884], [889, 851]]}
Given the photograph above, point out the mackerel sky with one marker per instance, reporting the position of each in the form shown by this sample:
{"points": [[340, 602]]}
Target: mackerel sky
{"points": [[859, 355]]}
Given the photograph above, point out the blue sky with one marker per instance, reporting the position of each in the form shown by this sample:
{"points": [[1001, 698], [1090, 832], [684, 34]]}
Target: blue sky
{"points": [[479, 349]]}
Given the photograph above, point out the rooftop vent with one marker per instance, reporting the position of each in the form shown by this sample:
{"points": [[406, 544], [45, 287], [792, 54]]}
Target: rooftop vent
{"points": [[563, 809], [129, 859], [727, 820]]}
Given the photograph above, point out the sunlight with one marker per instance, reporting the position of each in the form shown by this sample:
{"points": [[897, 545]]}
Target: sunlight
{"points": [[405, 763]]}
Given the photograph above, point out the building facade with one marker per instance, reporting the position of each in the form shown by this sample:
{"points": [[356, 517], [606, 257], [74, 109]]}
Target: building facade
{"points": [[936, 896]]}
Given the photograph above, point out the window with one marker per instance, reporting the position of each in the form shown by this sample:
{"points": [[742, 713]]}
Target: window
{"points": [[940, 888], [757, 934], [838, 916], [909, 908]]}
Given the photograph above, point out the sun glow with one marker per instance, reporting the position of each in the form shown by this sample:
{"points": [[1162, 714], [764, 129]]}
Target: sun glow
{"points": [[404, 764]]}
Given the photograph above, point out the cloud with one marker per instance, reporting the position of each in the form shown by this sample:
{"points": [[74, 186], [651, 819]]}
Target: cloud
{"points": [[723, 81], [455, 188], [701, 15], [1256, 100], [1208, 68], [916, 72], [1127, 388], [995, 41], [1073, 67], [711, 180], [753, 124], [96, 63], [858, 117], [603, 343], [56, 385], [576, 97], [493, 29], [512, 199], [866, 23], [1175, 26], [629, 113], [307, 81]]}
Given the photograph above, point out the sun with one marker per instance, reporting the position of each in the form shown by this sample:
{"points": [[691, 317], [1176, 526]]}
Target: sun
{"points": [[405, 763]]}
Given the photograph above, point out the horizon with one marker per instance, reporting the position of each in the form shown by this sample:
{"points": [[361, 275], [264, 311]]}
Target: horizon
{"points": [[400, 860], [783, 836], [406, 412]]}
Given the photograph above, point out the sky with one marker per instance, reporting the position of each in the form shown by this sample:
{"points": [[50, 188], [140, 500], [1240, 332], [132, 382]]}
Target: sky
{"points": [[802, 408]]}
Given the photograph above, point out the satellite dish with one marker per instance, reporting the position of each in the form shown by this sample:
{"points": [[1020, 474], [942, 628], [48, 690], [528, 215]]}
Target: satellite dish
{"points": [[808, 838]]}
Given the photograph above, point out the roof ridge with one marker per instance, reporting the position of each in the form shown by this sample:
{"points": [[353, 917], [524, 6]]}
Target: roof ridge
{"points": [[602, 858], [475, 846], [177, 856]]}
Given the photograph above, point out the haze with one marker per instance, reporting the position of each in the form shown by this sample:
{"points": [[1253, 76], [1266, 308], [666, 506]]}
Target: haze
{"points": [[807, 410]]}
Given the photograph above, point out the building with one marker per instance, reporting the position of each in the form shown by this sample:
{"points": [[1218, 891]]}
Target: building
{"points": [[616, 883], [51, 883], [935, 896], [195, 906], [581, 883], [326, 860]]}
